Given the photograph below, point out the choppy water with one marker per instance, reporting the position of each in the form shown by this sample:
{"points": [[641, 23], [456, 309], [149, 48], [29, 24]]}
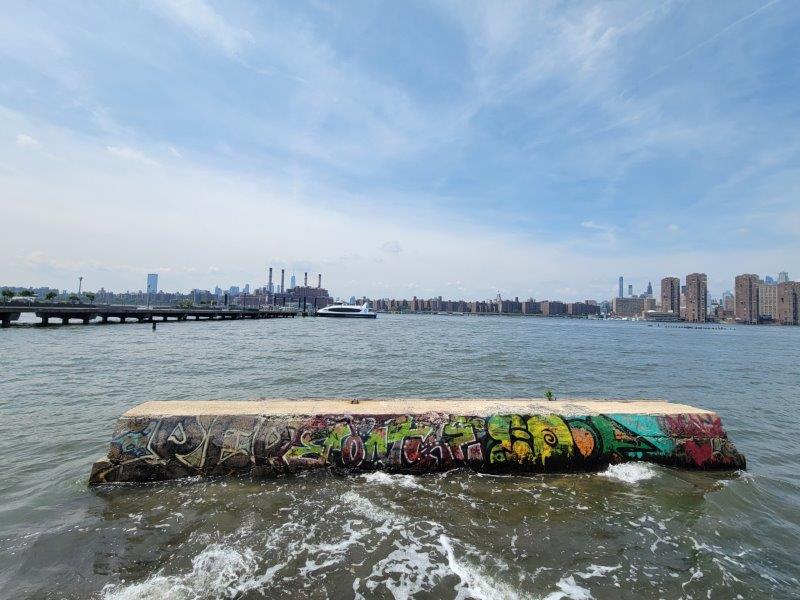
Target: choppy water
{"points": [[634, 531]]}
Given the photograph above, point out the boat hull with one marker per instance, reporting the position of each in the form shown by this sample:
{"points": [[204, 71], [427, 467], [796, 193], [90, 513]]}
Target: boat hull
{"points": [[346, 316]]}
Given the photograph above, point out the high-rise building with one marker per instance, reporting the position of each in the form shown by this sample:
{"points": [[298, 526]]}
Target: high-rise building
{"points": [[620, 294], [769, 279], [630, 289], [783, 277], [671, 295], [728, 302], [746, 291], [246, 288], [649, 292], [696, 298], [789, 303], [292, 281], [768, 301], [152, 283]]}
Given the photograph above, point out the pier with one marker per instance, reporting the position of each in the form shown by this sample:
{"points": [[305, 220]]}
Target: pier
{"points": [[103, 314], [267, 438]]}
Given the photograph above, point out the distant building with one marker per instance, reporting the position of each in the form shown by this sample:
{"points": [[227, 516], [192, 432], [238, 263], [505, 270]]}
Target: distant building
{"points": [[768, 301], [293, 283], [630, 289], [246, 288], [152, 283], [783, 277], [649, 292], [620, 294], [671, 295], [662, 316], [531, 307], [631, 307], [746, 291], [728, 302], [696, 298], [789, 303], [553, 308], [768, 279]]}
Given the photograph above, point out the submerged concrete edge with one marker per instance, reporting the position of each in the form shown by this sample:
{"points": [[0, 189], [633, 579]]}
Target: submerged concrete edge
{"points": [[172, 440]]}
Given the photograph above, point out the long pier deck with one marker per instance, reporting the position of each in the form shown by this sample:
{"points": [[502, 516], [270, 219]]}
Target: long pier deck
{"points": [[98, 313]]}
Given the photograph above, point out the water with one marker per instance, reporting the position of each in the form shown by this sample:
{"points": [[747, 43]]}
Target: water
{"points": [[633, 531]]}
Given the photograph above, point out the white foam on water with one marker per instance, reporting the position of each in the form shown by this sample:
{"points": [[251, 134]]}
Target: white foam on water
{"points": [[569, 589], [392, 479], [631, 472], [219, 571], [474, 584]]}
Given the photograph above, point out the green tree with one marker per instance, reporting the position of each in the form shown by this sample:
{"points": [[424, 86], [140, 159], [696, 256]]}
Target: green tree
{"points": [[90, 295], [50, 295], [73, 297], [8, 293], [27, 293], [548, 394]]}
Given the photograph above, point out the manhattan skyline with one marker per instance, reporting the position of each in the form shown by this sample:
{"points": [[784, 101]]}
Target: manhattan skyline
{"points": [[433, 149]]}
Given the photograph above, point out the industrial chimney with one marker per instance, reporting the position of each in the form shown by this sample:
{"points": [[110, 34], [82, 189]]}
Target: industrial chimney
{"points": [[305, 279], [282, 272], [319, 281], [269, 281]]}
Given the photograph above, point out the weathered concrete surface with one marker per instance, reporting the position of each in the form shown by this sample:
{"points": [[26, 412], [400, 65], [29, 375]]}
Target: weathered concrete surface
{"points": [[263, 438]]}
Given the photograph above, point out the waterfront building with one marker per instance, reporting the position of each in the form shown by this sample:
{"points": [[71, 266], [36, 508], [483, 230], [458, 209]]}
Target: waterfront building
{"points": [[531, 307], [553, 308], [746, 298], [581, 309], [728, 302], [671, 295], [696, 298], [783, 277], [662, 316], [789, 303], [767, 301], [152, 283], [628, 307]]}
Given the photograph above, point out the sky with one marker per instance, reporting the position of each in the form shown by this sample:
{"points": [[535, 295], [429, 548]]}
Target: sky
{"points": [[459, 149]]}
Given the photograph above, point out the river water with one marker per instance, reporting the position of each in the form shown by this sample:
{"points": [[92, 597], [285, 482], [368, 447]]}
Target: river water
{"points": [[634, 531]]}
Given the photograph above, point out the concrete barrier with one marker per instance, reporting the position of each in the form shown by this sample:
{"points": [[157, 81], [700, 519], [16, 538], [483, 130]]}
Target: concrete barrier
{"points": [[170, 440]]}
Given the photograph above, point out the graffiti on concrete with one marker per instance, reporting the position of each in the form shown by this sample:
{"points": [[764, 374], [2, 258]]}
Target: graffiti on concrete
{"points": [[173, 447]]}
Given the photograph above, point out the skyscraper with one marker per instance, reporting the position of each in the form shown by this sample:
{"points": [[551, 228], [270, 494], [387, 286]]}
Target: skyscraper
{"points": [[152, 283], [620, 294], [671, 295], [746, 298], [630, 289], [783, 277], [789, 303], [292, 281], [768, 300], [649, 292], [696, 298]]}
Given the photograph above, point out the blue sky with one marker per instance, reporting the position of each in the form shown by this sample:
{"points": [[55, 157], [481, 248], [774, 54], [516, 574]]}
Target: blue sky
{"points": [[457, 149]]}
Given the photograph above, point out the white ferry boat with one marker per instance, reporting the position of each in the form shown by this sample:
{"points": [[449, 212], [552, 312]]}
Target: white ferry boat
{"points": [[350, 311]]}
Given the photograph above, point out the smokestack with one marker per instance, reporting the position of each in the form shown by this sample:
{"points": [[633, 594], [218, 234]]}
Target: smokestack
{"points": [[305, 279], [269, 281], [319, 281], [282, 271]]}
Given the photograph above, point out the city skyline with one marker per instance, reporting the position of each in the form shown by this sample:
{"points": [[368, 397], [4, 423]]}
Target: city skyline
{"points": [[534, 150]]}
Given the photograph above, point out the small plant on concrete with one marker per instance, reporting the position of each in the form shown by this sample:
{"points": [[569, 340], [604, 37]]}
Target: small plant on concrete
{"points": [[548, 395]]}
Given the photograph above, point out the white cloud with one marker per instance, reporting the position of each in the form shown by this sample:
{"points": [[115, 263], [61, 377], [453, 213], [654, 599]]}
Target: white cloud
{"points": [[26, 141], [201, 18], [673, 228], [129, 153]]}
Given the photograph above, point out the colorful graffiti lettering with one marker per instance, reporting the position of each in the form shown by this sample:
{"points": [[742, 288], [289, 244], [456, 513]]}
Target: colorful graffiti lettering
{"points": [[179, 446]]}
